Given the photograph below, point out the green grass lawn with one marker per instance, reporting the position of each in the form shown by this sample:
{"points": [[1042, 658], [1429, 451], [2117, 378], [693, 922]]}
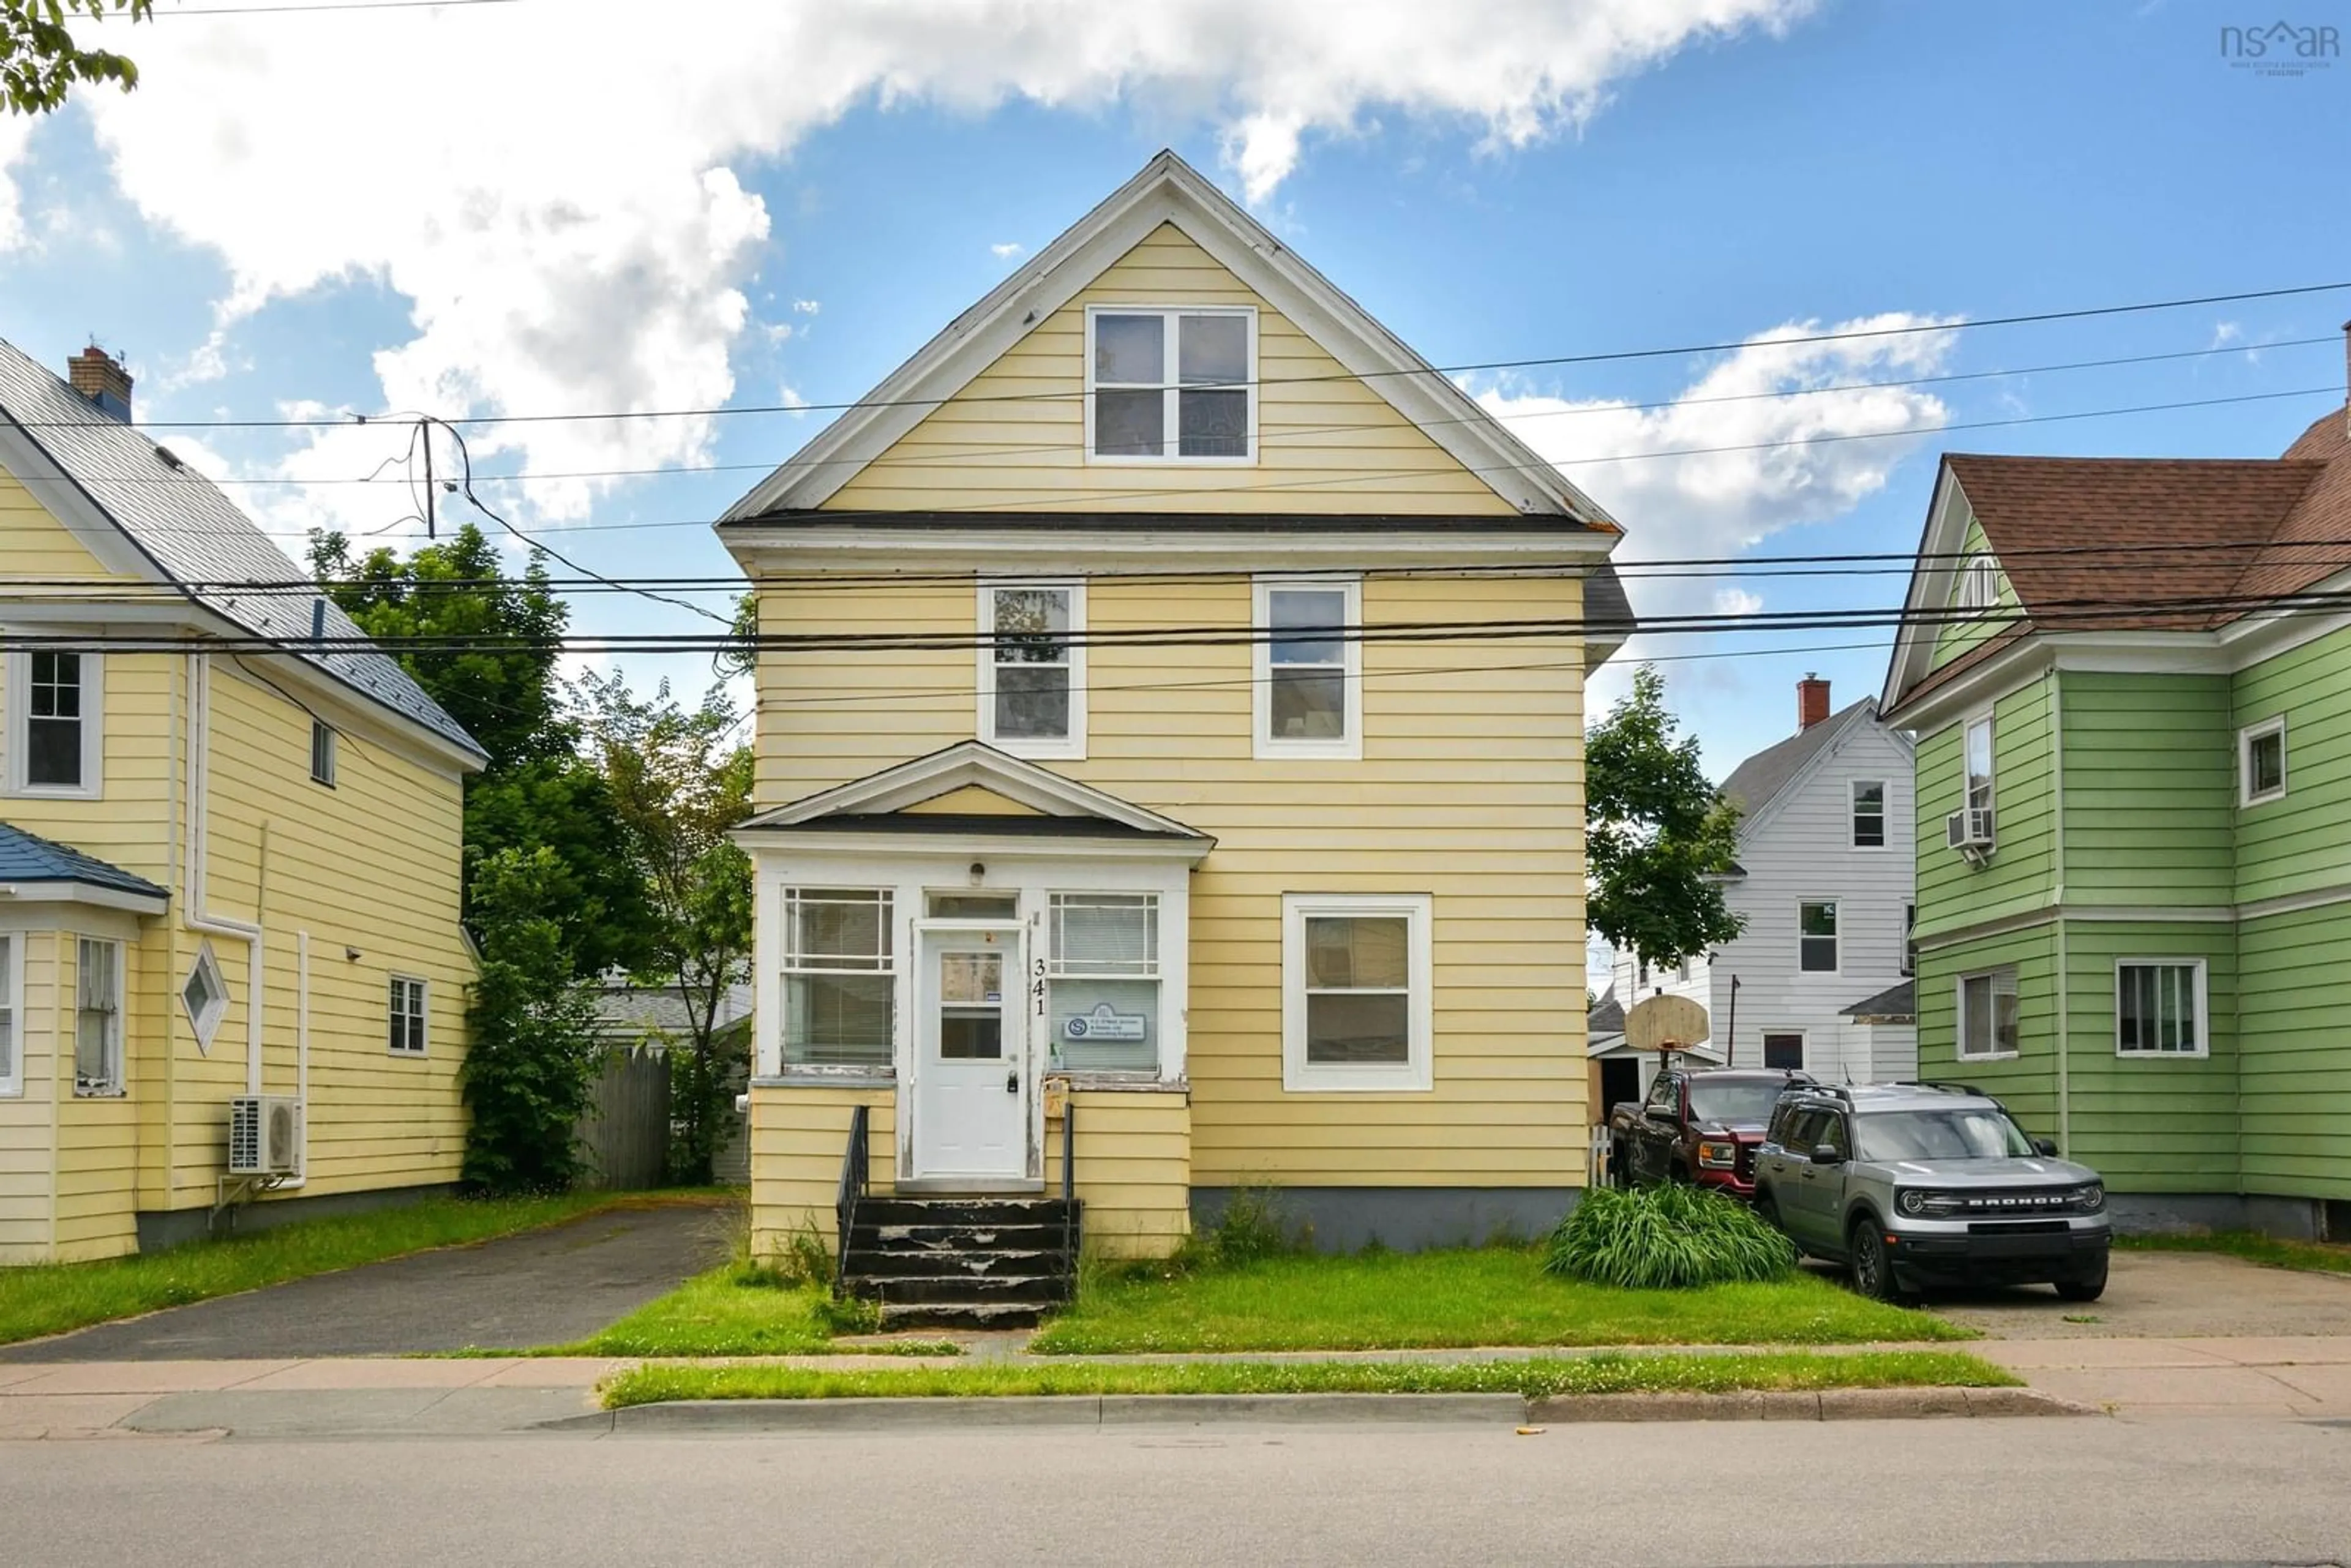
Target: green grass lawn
{"points": [[1488, 1296], [1607, 1373], [51, 1298], [730, 1312], [2253, 1247]]}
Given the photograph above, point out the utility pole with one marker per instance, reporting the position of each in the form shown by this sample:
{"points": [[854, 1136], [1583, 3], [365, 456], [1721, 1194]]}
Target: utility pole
{"points": [[425, 428]]}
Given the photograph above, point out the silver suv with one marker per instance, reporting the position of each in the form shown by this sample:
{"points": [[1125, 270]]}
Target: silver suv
{"points": [[1913, 1185]]}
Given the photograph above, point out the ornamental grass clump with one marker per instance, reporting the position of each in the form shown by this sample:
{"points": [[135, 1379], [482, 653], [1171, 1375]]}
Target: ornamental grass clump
{"points": [[1670, 1238]]}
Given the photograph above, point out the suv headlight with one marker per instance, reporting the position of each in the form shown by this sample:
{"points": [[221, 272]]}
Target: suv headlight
{"points": [[1927, 1204], [1911, 1201], [1716, 1155], [2088, 1199]]}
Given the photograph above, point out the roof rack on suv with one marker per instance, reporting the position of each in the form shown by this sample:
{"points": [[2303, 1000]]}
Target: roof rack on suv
{"points": [[1942, 1086]]}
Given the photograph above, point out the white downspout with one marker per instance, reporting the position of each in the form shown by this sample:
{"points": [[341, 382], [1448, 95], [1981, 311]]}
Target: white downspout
{"points": [[302, 1052], [195, 916], [2057, 904]]}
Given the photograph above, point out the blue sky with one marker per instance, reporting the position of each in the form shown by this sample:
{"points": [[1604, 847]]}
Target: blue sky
{"points": [[774, 207]]}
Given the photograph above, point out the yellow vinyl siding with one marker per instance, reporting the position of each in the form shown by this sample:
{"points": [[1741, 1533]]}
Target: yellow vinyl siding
{"points": [[374, 1120], [35, 545], [97, 1138], [28, 1123], [798, 1138], [1014, 438], [1469, 790], [973, 800], [1132, 1154], [129, 825]]}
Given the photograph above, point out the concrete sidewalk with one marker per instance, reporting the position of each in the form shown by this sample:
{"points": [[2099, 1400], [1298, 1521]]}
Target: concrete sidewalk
{"points": [[2302, 1376], [2291, 1378]]}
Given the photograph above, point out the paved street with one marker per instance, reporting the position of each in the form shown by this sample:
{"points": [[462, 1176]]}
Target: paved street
{"points": [[1865, 1492], [544, 1287]]}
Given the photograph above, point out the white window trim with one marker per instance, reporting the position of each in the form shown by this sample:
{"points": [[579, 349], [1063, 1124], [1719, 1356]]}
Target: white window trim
{"points": [[1265, 745], [2245, 738], [12, 989], [2203, 1010], [1802, 1037], [1836, 916], [93, 728], [1991, 763], [1884, 815], [1170, 367], [1960, 1035], [1068, 748], [899, 923], [1979, 583], [424, 998], [1417, 1071], [208, 1023], [321, 729], [117, 1046], [1055, 970]]}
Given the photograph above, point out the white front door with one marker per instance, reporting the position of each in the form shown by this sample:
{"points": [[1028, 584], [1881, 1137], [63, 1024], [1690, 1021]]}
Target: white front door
{"points": [[971, 1073]]}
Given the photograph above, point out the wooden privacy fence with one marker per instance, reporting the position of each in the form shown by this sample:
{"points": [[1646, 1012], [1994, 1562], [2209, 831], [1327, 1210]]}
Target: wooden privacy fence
{"points": [[624, 1136]]}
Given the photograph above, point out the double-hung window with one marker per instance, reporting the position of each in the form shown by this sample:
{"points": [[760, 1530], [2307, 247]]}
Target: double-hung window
{"points": [[1869, 814], [1307, 682], [2159, 1008], [1987, 1022], [1977, 747], [12, 1058], [1357, 976], [1104, 981], [1816, 937], [839, 977], [1170, 385], [53, 705], [408, 1009], [97, 1016], [322, 753], [2261, 762], [1032, 668]]}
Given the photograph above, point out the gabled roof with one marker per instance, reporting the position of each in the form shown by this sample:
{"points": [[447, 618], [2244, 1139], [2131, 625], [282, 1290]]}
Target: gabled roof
{"points": [[29, 860], [1892, 1003], [2083, 542], [1757, 784], [85, 465], [1063, 807], [1170, 190], [1605, 1016]]}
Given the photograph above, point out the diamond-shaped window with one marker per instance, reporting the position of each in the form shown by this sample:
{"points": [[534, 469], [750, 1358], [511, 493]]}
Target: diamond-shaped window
{"points": [[205, 995]]}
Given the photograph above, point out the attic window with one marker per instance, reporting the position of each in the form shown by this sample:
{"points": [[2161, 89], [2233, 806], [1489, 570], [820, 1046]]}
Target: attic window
{"points": [[1170, 385], [205, 996], [1979, 583]]}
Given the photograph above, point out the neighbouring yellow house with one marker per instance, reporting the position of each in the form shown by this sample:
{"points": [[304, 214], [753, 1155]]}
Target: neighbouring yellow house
{"points": [[1170, 773], [229, 877]]}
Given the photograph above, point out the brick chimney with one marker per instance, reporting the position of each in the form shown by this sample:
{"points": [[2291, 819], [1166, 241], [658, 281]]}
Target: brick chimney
{"points": [[1812, 702], [99, 377]]}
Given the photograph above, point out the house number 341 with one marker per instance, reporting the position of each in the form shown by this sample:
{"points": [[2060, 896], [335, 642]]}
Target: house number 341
{"points": [[1036, 986]]}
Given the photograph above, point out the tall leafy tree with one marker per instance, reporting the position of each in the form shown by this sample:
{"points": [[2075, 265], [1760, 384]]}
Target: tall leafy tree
{"points": [[532, 1064], [1657, 835], [497, 674], [39, 59], [679, 780]]}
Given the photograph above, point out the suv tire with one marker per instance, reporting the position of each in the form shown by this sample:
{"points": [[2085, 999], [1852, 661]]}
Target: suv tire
{"points": [[1873, 1271], [1767, 1209], [2085, 1287]]}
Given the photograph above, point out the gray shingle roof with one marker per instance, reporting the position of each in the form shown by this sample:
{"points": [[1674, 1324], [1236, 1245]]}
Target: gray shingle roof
{"points": [[1754, 783], [625, 1009], [1893, 1002], [28, 857], [1605, 1016], [194, 534]]}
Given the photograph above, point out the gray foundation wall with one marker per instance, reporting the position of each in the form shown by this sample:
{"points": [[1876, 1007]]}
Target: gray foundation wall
{"points": [[2174, 1213], [1407, 1219], [159, 1229]]}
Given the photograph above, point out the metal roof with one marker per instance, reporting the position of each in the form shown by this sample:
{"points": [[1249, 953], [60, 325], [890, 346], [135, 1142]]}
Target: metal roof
{"points": [[194, 534], [28, 857]]}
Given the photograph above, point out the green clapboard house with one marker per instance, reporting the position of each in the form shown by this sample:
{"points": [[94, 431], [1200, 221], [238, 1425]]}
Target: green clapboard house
{"points": [[2130, 683]]}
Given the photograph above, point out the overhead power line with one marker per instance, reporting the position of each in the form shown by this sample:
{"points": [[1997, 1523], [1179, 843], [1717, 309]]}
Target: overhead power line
{"points": [[1617, 356]]}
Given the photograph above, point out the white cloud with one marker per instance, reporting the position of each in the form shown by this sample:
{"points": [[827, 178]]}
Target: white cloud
{"points": [[1007, 250], [558, 200], [1762, 449], [16, 142], [807, 306], [2226, 333]]}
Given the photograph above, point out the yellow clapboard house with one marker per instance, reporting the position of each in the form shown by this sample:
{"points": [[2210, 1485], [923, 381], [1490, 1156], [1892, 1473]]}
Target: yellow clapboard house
{"points": [[229, 877], [1179, 788]]}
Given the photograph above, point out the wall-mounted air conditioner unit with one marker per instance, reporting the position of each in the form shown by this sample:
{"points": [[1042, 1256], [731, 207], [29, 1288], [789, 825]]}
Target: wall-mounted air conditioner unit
{"points": [[265, 1135], [1970, 831]]}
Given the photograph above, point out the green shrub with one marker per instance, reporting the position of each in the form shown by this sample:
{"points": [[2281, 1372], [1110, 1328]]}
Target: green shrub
{"points": [[1251, 1226], [1666, 1237]]}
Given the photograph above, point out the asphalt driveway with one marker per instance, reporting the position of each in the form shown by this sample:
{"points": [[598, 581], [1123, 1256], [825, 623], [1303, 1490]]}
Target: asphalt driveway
{"points": [[2166, 1296], [544, 1287]]}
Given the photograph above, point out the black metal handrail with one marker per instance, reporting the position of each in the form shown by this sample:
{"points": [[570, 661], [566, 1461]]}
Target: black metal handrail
{"points": [[1069, 1184], [856, 1172]]}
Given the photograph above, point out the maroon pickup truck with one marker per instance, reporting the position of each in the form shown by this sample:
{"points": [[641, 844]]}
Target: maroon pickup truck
{"points": [[1699, 1124]]}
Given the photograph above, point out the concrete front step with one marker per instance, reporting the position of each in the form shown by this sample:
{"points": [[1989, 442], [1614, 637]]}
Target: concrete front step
{"points": [[898, 1315], [864, 1236], [1038, 1290], [978, 1211], [965, 1264]]}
